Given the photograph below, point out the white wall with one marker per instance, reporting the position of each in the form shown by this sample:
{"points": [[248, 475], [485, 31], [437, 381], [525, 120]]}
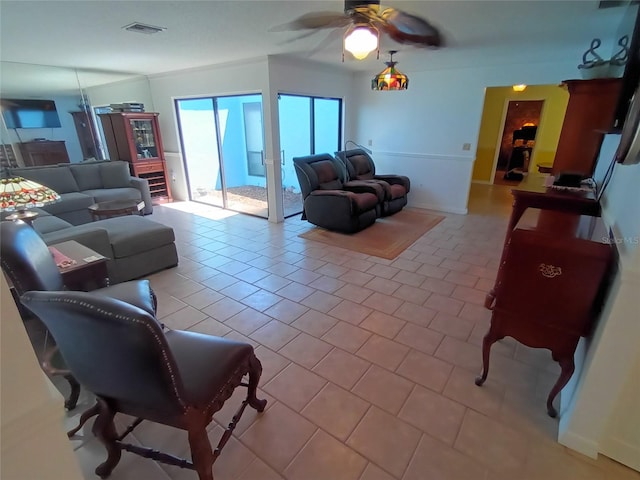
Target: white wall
{"points": [[422, 130], [34, 444], [592, 420]]}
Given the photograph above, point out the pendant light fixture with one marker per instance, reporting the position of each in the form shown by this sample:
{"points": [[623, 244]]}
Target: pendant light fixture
{"points": [[390, 78]]}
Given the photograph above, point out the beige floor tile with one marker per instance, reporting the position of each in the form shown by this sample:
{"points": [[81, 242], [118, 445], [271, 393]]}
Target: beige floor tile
{"points": [[247, 321], [470, 295], [383, 388], [444, 304], [258, 470], [384, 303], [373, 472], [325, 458], [331, 269], [224, 309], [314, 323], [239, 290], [272, 363], [251, 274], [514, 375], [295, 386], [350, 312], [320, 301], [304, 276], [261, 300], [296, 291], [441, 287], [426, 370], [277, 438], [460, 278], [475, 313], [354, 293], [507, 450], [382, 324], [210, 326], [404, 264], [306, 350], [412, 294], [167, 304], [432, 271], [528, 414], [327, 284], [274, 334], [219, 281], [336, 411], [434, 460], [385, 440], [383, 285], [357, 277], [342, 368], [486, 399], [452, 326], [272, 283], [203, 298], [184, 318], [286, 311], [433, 414], [383, 271], [420, 338], [460, 353], [224, 416], [383, 352], [415, 314], [346, 336]]}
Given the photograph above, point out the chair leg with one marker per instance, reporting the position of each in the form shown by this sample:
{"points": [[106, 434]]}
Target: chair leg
{"points": [[72, 401], [86, 415], [201, 453], [105, 430], [255, 371]]}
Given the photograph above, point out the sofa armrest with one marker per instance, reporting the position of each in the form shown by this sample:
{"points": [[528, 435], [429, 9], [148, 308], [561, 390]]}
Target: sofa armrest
{"points": [[142, 184], [395, 180]]}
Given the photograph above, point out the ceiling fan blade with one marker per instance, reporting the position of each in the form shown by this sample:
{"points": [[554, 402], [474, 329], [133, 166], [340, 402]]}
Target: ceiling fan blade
{"points": [[406, 28], [314, 21]]}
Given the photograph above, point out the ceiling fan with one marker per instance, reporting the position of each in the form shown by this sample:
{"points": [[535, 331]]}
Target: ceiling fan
{"points": [[365, 20]]}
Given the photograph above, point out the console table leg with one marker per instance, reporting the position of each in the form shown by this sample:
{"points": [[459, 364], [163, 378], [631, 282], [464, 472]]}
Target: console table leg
{"points": [[568, 366], [489, 339]]}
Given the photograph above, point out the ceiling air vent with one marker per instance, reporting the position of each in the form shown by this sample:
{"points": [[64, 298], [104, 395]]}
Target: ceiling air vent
{"points": [[143, 28]]}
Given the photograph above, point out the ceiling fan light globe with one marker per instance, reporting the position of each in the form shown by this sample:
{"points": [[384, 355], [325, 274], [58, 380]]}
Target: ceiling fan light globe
{"points": [[361, 41]]}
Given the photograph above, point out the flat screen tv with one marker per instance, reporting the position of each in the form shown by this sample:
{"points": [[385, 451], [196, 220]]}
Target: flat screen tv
{"points": [[29, 113]]}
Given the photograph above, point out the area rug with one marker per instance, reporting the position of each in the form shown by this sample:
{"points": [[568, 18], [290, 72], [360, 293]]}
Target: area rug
{"points": [[387, 238]]}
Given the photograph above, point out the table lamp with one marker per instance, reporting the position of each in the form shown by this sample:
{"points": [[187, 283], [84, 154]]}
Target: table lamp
{"points": [[19, 194]]}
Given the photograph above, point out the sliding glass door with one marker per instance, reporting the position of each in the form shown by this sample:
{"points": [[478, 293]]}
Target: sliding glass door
{"points": [[308, 125], [223, 147]]}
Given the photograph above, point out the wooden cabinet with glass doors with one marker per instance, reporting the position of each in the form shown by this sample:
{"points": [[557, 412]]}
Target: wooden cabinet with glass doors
{"points": [[135, 138]]}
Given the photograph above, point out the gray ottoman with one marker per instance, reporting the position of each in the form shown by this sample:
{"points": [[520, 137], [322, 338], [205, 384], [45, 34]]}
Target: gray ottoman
{"points": [[140, 247]]}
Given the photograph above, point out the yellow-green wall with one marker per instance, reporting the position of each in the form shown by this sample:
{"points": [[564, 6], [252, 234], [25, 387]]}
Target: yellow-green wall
{"points": [[495, 101]]}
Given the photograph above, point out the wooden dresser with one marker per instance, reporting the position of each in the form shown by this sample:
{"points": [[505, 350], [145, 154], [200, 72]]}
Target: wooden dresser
{"points": [[550, 286], [43, 152]]}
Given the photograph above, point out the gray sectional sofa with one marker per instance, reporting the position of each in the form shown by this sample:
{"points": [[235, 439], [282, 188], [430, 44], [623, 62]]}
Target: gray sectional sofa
{"points": [[83, 184], [134, 245]]}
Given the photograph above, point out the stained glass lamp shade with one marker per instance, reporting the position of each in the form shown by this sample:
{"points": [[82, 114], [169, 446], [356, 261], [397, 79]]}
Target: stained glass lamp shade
{"points": [[19, 194], [390, 78]]}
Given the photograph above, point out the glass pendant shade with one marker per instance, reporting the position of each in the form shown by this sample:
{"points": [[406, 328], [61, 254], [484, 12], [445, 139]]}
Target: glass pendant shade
{"points": [[361, 40], [390, 78]]}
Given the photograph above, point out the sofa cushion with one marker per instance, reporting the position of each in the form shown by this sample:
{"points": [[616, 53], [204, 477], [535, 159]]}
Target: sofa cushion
{"points": [[87, 175], [115, 174], [105, 194], [69, 202], [132, 234], [59, 179], [48, 223]]}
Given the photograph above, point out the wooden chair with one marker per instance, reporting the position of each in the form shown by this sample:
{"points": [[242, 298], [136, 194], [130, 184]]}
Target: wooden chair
{"points": [[177, 378], [29, 265]]}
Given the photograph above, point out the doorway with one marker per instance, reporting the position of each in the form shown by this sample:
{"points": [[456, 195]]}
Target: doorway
{"points": [[517, 143], [222, 141]]}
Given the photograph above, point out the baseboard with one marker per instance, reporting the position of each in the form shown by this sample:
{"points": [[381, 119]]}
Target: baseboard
{"points": [[579, 443], [440, 208], [623, 452]]}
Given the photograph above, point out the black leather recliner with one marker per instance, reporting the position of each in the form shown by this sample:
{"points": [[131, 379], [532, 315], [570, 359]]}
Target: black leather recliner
{"points": [[360, 166], [331, 202]]}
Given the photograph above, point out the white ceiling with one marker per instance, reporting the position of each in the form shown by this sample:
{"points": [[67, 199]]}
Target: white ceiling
{"points": [[88, 35]]}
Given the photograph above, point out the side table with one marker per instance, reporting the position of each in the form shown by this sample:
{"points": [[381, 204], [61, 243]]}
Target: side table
{"points": [[89, 270]]}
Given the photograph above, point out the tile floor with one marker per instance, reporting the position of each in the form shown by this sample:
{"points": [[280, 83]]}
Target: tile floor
{"points": [[368, 363]]}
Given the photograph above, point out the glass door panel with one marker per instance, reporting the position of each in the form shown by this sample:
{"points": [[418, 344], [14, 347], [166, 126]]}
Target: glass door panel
{"points": [[326, 125], [295, 141], [145, 138], [241, 141], [197, 124]]}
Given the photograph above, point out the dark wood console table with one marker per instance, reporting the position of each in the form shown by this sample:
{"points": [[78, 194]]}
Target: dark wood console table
{"points": [[551, 281]]}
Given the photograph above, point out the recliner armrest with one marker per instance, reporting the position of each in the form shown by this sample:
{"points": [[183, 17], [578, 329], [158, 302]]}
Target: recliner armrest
{"points": [[365, 186], [142, 184], [395, 180]]}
